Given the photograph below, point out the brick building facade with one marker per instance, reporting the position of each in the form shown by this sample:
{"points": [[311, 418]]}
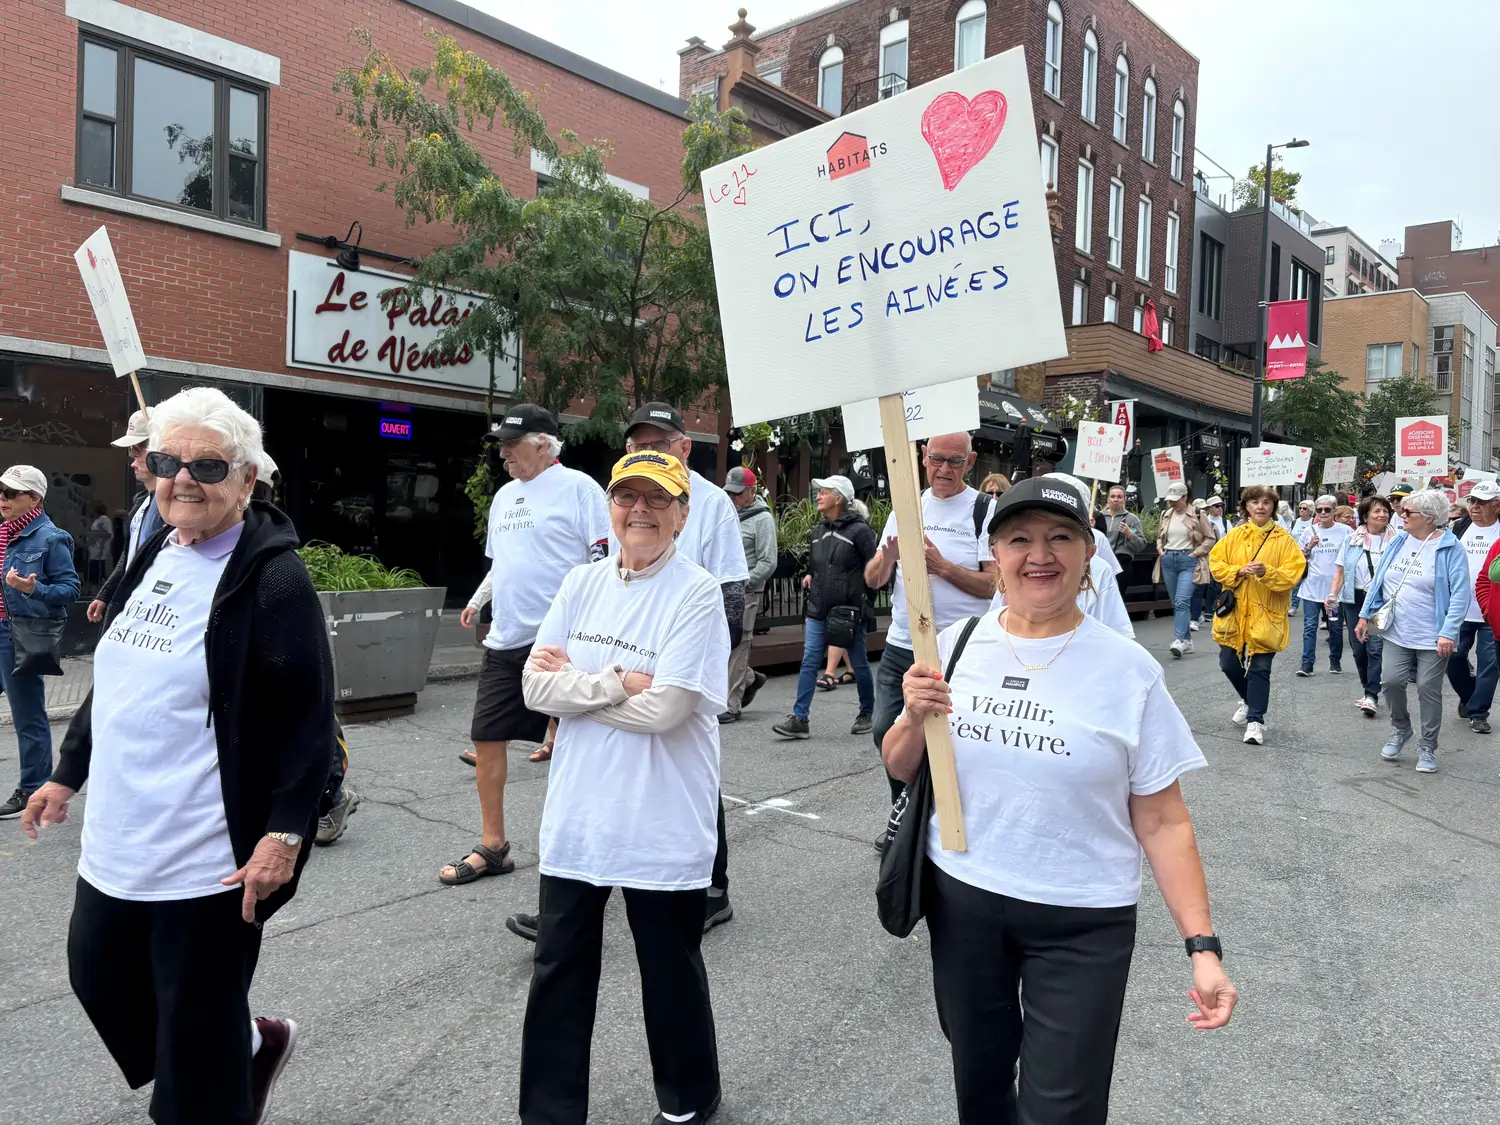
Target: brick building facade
{"points": [[207, 261], [1430, 264]]}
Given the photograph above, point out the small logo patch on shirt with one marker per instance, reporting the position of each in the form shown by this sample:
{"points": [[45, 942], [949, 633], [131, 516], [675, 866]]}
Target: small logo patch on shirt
{"points": [[1016, 683], [161, 587]]}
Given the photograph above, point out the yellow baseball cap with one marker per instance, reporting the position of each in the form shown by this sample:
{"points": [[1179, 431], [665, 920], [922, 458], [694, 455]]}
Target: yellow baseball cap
{"points": [[660, 468]]}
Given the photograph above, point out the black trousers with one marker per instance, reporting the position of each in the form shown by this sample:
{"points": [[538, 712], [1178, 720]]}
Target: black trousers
{"points": [[719, 880], [1070, 963], [895, 662], [166, 985], [556, 1037]]}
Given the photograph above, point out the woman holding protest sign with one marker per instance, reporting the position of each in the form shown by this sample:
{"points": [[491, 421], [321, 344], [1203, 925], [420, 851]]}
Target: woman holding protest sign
{"points": [[1258, 563], [1059, 806]]}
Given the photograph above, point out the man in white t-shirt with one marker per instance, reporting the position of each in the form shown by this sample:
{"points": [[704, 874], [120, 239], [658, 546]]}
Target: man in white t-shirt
{"points": [[1476, 687], [960, 570], [545, 521], [1323, 545]]}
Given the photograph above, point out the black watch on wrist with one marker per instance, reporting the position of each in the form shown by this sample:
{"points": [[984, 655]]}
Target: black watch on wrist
{"points": [[1204, 943]]}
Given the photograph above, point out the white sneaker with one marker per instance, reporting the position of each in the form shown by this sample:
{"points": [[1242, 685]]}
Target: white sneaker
{"points": [[1187, 645], [1176, 648], [1367, 705], [1192, 626], [1239, 714], [1255, 733]]}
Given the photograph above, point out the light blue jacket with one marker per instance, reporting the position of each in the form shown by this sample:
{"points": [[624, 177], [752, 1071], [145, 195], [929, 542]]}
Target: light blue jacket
{"points": [[1451, 585]]}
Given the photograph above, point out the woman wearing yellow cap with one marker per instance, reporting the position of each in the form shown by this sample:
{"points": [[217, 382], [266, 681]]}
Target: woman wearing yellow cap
{"points": [[633, 656]]}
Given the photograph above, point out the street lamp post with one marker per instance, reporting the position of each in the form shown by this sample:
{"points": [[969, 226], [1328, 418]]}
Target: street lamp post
{"points": [[1263, 310]]}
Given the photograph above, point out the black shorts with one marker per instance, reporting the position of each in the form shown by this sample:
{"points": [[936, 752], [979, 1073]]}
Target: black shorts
{"points": [[500, 711]]}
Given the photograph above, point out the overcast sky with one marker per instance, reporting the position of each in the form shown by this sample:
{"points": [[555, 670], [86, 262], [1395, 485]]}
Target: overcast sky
{"points": [[1398, 99]]}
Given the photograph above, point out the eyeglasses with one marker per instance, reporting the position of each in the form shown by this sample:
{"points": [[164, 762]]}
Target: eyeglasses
{"points": [[653, 446], [1324, 511], [626, 498], [10, 493], [954, 462], [205, 470]]}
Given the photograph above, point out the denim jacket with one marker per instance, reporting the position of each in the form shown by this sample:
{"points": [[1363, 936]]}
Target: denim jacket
{"points": [[46, 551], [1451, 586]]}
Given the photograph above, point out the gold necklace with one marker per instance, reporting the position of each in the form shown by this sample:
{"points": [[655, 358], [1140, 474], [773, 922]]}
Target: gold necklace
{"points": [[1037, 667]]}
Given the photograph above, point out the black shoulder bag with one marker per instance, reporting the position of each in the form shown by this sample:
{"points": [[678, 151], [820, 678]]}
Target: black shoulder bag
{"points": [[1226, 601], [898, 893]]}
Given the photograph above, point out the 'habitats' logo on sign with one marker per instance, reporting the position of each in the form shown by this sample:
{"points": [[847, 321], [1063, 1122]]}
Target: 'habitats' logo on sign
{"points": [[849, 154]]}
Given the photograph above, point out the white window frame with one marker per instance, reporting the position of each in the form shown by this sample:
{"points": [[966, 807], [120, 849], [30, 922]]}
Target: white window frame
{"points": [[973, 10], [1083, 227], [1116, 223], [832, 57], [1080, 303], [1148, 120], [1166, 333], [1143, 239], [1088, 103], [1179, 137], [1122, 99], [1138, 320], [1049, 161], [1111, 309], [1174, 227], [890, 35], [1052, 53]]}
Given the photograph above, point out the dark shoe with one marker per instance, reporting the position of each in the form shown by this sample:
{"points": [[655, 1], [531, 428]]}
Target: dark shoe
{"points": [[755, 685], [277, 1038], [1463, 708], [883, 841], [1479, 726], [1335, 670], [862, 724], [697, 1119], [331, 825], [718, 910], [523, 926], [792, 727], [726, 717], [1305, 671], [17, 804]]}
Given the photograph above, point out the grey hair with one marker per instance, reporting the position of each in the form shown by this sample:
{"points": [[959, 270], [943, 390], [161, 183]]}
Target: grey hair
{"points": [[1326, 499], [550, 443], [213, 410], [1432, 504]]}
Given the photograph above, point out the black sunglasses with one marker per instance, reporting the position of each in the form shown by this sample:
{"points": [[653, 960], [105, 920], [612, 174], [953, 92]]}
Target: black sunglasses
{"points": [[11, 493], [205, 470]]}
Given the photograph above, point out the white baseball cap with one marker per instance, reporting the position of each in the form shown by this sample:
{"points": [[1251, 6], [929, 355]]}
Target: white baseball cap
{"points": [[137, 431], [25, 478], [1484, 490], [1176, 490], [840, 484]]}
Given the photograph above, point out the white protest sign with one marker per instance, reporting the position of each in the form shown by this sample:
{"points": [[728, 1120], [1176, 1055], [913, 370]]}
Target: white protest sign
{"points": [[1339, 470], [902, 245], [1274, 464], [1471, 478], [947, 408], [1101, 447], [1383, 483], [1422, 447], [1166, 463], [1121, 412], [106, 288]]}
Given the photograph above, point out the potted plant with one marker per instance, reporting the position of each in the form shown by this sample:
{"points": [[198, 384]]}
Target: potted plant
{"points": [[382, 626]]}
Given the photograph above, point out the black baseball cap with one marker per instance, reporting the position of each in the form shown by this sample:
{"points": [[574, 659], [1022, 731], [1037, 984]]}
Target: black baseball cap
{"points": [[659, 414], [1043, 494], [525, 418]]}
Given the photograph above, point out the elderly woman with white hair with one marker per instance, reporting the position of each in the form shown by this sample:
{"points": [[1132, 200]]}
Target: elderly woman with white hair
{"points": [[1417, 601], [205, 743]]}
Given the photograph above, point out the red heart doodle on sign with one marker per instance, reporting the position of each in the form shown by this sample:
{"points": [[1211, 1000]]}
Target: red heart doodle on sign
{"points": [[961, 131]]}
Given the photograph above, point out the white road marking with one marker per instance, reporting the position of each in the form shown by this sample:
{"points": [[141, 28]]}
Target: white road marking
{"points": [[775, 804]]}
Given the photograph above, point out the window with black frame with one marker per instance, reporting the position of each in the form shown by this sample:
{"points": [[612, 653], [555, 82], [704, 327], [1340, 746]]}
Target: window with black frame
{"points": [[151, 127]]}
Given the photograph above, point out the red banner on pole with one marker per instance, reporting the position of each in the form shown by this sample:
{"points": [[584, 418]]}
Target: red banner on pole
{"points": [[1286, 327]]}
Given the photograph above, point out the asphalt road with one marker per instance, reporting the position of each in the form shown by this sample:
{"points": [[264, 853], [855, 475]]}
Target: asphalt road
{"points": [[1357, 901]]}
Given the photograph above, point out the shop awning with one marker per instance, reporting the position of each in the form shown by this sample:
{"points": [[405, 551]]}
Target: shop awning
{"points": [[1002, 416]]}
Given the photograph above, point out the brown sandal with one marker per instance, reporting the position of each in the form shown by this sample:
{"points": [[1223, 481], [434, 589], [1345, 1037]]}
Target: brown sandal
{"points": [[496, 862], [543, 753]]}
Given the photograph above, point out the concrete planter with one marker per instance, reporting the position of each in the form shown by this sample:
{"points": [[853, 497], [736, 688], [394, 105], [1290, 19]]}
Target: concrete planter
{"points": [[382, 646]]}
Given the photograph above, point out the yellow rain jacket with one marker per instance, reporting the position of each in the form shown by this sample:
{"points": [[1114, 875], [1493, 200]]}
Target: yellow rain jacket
{"points": [[1259, 620]]}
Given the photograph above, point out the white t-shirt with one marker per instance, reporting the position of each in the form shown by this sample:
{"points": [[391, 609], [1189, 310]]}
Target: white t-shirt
{"points": [[539, 530], [950, 525], [154, 827], [1412, 579], [1048, 760], [626, 809], [1104, 603], [1477, 542], [1375, 545], [1322, 560]]}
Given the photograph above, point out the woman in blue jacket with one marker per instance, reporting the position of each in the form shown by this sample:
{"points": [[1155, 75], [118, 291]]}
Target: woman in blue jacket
{"points": [[36, 560], [1424, 576]]}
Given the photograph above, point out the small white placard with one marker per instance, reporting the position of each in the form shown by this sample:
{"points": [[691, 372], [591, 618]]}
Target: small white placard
{"points": [[1422, 447], [1274, 464], [1101, 447], [947, 408], [106, 288], [1339, 470], [1166, 463]]}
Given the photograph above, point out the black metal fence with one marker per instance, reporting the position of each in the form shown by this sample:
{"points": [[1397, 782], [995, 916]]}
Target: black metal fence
{"points": [[784, 597]]}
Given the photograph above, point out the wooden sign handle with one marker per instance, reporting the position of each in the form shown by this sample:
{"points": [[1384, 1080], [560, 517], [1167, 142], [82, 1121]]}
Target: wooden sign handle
{"points": [[140, 399], [906, 500]]}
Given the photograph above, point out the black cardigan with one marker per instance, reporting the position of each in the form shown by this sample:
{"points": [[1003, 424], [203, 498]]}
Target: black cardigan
{"points": [[270, 687]]}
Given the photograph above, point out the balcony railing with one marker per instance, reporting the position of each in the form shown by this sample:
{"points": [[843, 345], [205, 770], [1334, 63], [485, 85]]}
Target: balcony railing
{"points": [[873, 90]]}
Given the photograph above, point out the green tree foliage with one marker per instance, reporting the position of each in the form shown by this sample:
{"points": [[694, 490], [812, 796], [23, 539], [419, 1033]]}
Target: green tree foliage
{"points": [[1319, 411], [1407, 396], [1283, 186], [613, 297]]}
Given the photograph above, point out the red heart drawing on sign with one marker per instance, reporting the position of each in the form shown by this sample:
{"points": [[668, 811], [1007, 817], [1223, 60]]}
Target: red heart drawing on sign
{"points": [[961, 131]]}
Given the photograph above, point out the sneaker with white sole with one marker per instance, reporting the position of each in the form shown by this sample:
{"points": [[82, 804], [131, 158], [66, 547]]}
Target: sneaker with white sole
{"points": [[1368, 705], [1427, 759], [1392, 749], [1240, 714], [1176, 648], [277, 1040], [1192, 626], [1255, 734]]}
